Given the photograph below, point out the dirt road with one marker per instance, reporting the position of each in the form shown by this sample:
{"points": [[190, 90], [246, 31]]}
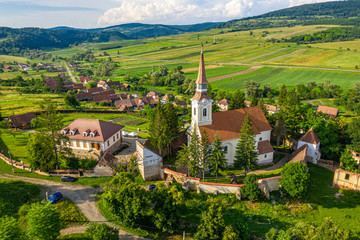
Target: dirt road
{"points": [[70, 74], [82, 196]]}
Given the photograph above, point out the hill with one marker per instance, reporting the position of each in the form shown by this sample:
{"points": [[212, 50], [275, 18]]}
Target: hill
{"points": [[328, 13], [17, 40]]}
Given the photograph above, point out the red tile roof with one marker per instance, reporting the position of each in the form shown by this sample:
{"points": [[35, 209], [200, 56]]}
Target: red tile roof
{"points": [[104, 130], [265, 147], [310, 137], [299, 155], [224, 102], [94, 90], [21, 120], [331, 111], [229, 123]]}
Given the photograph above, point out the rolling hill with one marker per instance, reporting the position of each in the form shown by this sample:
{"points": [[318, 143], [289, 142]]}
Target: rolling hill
{"points": [[327, 13]]}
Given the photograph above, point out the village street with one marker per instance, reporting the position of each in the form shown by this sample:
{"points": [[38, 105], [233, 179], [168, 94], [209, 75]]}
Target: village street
{"points": [[82, 196], [70, 74]]}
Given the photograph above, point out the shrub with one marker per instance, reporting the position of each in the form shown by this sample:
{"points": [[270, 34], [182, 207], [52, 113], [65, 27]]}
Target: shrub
{"points": [[251, 190], [102, 231], [295, 179]]}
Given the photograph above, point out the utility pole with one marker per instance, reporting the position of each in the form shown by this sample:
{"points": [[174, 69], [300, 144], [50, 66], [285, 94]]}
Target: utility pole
{"points": [[12, 166], [214, 40]]}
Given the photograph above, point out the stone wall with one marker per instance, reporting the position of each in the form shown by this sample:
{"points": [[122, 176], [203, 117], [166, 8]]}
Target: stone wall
{"points": [[266, 185], [149, 163], [345, 179]]}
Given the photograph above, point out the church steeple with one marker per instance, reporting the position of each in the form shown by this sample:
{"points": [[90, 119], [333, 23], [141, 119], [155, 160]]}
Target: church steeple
{"points": [[201, 102]]}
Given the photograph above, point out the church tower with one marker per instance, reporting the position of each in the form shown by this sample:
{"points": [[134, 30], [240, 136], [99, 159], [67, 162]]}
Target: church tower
{"points": [[201, 103]]}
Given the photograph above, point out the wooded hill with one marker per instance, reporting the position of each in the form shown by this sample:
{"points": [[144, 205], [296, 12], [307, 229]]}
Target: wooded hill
{"points": [[16, 40], [328, 13]]}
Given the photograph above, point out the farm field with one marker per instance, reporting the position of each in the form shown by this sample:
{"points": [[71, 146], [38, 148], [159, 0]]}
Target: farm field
{"points": [[28, 75], [8, 58], [289, 77]]}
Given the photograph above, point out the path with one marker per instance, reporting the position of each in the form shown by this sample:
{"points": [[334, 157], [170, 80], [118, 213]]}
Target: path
{"points": [[278, 165], [70, 74], [252, 69], [82, 196]]}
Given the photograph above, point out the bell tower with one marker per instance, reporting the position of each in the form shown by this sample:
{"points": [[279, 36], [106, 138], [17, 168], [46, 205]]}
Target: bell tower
{"points": [[201, 103]]}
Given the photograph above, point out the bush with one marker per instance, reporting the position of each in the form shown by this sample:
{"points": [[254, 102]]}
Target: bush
{"points": [[9, 229], [295, 179], [102, 231], [251, 190], [348, 163]]}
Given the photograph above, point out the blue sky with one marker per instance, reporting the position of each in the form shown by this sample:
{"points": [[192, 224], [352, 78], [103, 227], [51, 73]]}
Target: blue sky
{"points": [[101, 13]]}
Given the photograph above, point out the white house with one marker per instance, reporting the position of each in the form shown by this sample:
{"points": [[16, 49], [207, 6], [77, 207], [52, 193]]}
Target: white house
{"points": [[227, 124], [313, 142], [92, 135]]}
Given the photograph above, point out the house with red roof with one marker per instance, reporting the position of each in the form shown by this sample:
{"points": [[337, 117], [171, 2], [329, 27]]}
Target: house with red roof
{"points": [[228, 124], [92, 137], [313, 145], [329, 111]]}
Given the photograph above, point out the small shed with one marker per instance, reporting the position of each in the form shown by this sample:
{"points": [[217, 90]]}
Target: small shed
{"points": [[22, 121]]}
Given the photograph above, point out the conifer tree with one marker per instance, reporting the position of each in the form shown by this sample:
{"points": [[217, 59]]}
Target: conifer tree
{"points": [[183, 157], [205, 152], [157, 133], [246, 154], [172, 126], [217, 159], [279, 132], [194, 154], [237, 100]]}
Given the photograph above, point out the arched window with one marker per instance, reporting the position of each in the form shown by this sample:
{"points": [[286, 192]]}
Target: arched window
{"points": [[225, 148], [204, 112]]}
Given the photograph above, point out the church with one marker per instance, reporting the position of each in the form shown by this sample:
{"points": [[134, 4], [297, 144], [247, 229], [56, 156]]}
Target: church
{"points": [[227, 124]]}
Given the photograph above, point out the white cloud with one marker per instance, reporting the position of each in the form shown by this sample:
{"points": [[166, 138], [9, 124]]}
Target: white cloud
{"points": [[190, 11]]}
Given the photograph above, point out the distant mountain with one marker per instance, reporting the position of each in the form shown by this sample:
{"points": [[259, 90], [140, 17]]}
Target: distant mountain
{"points": [[14, 40], [328, 13], [140, 30]]}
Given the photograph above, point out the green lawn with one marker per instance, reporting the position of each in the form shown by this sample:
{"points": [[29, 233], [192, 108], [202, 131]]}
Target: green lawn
{"points": [[15, 141], [70, 213]]}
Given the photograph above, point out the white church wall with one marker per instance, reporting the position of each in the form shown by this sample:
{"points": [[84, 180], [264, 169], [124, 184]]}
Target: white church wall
{"points": [[312, 151]]}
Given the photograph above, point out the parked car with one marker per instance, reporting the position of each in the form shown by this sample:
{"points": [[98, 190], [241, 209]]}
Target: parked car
{"points": [[55, 197], [67, 179], [152, 187]]}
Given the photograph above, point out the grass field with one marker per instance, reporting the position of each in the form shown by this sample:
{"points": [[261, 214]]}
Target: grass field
{"points": [[16, 143], [289, 77], [13, 103], [8, 58]]}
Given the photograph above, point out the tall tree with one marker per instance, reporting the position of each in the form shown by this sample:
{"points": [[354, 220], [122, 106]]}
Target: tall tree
{"points": [[205, 152], [41, 152], [295, 179], [157, 129], [217, 159], [51, 123], [183, 158], [246, 153], [172, 126], [237, 100], [194, 154], [212, 221], [251, 88], [279, 132], [282, 95]]}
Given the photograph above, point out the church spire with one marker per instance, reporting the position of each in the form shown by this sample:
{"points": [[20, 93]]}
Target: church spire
{"points": [[201, 75]]}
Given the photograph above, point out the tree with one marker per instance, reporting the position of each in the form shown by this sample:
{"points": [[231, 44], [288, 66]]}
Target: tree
{"points": [[295, 179], [102, 231], [251, 190], [348, 162], [212, 221], [9, 229], [59, 85], [40, 149], [217, 159], [246, 153], [43, 222], [172, 126], [279, 132], [282, 95], [251, 88], [71, 100], [204, 152], [157, 129], [194, 154], [237, 100], [51, 123], [183, 157], [230, 233], [91, 84], [354, 132]]}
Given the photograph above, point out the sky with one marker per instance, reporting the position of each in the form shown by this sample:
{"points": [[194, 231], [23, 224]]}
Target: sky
{"points": [[103, 13]]}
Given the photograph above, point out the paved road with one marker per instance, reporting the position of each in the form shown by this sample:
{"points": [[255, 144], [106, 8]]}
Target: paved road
{"points": [[71, 76], [82, 196]]}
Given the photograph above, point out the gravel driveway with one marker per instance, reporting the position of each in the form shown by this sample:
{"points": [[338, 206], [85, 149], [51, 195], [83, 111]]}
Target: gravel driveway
{"points": [[82, 196]]}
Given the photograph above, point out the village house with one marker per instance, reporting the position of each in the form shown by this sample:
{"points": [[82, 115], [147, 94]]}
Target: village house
{"points": [[125, 104], [181, 104], [8, 68], [89, 138], [95, 90], [271, 109], [85, 79], [223, 104], [154, 95], [313, 145], [24, 67], [328, 111], [21, 121], [106, 165], [51, 83], [108, 84], [85, 96], [125, 86], [168, 97], [228, 124], [79, 87]]}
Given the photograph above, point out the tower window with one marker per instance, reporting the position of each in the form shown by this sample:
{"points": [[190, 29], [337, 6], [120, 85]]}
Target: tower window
{"points": [[194, 111], [225, 148], [204, 112]]}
